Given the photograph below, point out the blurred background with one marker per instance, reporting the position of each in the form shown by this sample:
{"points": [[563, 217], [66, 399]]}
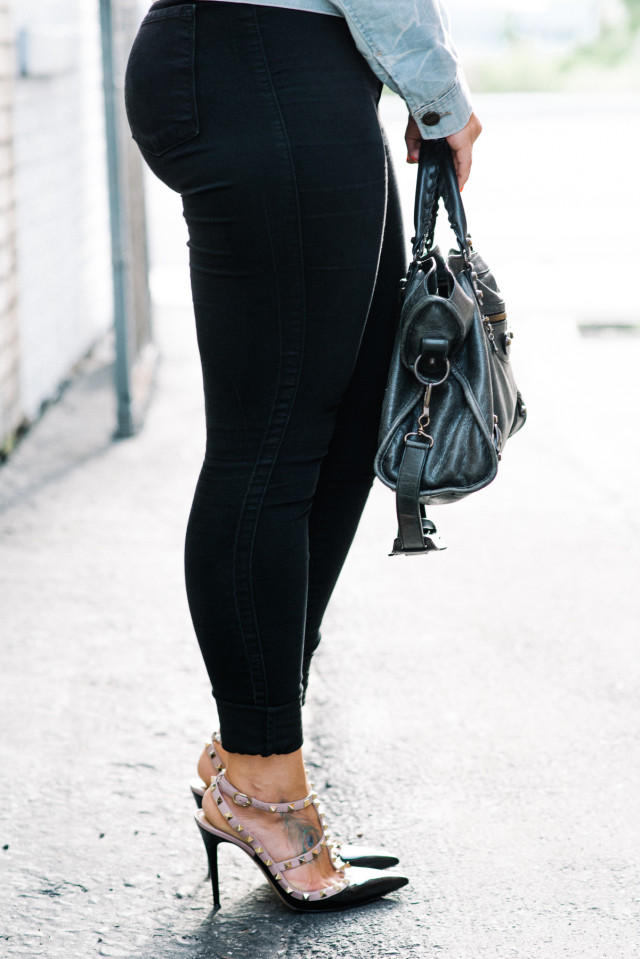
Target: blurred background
{"points": [[554, 45]]}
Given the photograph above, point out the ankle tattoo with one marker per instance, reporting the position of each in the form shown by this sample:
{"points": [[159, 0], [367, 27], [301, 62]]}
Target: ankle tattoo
{"points": [[301, 831]]}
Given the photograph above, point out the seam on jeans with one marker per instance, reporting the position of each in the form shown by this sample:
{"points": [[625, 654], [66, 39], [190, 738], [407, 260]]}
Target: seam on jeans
{"points": [[322, 487], [253, 661], [254, 650], [293, 389]]}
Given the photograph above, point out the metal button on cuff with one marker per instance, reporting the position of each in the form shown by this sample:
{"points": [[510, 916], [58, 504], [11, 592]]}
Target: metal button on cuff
{"points": [[431, 118]]}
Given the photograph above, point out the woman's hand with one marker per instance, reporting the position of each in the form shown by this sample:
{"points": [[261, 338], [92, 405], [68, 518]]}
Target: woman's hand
{"points": [[413, 140], [461, 144]]}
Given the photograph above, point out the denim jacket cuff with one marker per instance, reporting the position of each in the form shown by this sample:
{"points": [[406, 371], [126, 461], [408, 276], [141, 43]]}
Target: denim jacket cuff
{"points": [[444, 115]]}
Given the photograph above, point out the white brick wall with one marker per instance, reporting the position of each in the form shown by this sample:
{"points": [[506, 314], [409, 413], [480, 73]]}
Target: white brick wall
{"points": [[10, 413], [63, 248]]}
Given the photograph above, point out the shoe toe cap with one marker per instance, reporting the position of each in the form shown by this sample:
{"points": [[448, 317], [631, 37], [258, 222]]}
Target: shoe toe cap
{"points": [[364, 880], [368, 856]]}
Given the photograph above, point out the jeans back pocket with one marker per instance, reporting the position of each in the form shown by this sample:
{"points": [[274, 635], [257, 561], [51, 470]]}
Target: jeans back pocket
{"points": [[160, 93]]}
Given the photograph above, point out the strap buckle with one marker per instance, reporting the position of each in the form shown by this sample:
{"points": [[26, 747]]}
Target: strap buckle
{"points": [[431, 539], [241, 799]]}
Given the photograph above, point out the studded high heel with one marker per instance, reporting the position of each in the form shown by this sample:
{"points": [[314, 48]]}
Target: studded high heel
{"points": [[362, 885], [211, 749], [357, 855]]}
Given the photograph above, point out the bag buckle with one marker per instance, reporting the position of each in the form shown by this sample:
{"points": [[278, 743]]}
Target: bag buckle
{"points": [[431, 539]]}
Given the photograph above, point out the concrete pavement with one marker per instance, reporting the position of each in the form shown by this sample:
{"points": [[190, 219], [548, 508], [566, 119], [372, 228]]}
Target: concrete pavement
{"points": [[477, 711]]}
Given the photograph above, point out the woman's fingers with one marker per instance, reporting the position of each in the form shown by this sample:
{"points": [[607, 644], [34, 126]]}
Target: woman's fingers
{"points": [[413, 140], [461, 144]]}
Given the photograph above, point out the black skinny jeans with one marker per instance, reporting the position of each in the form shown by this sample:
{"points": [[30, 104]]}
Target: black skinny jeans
{"points": [[265, 121]]}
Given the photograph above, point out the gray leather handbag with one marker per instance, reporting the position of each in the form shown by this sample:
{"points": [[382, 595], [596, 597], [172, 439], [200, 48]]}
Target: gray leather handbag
{"points": [[451, 400]]}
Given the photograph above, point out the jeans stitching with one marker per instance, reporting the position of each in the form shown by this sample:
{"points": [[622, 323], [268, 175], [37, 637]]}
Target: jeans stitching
{"points": [[284, 398]]}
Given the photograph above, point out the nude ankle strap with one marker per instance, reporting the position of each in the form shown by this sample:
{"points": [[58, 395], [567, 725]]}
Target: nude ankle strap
{"points": [[213, 753], [241, 799]]}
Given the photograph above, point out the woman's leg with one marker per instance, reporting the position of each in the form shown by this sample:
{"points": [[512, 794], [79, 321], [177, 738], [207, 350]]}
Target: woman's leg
{"points": [[277, 359], [284, 184], [312, 173], [343, 486], [285, 239], [347, 473]]}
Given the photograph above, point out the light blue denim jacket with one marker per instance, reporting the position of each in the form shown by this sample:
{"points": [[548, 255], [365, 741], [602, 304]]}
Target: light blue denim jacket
{"points": [[408, 46]]}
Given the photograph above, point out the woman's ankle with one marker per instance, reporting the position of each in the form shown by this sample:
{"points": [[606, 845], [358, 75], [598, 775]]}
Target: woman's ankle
{"points": [[278, 778]]}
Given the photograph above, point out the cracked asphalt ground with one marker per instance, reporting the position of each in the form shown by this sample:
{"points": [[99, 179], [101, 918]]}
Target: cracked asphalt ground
{"points": [[476, 711]]}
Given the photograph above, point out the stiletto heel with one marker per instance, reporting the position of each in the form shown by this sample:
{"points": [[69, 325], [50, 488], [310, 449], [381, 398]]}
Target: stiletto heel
{"points": [[362, 886], [369, 856], [211, 843]]}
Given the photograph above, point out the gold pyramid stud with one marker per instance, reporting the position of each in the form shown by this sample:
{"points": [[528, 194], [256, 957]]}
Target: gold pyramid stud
{"points": [[219, 800], [289, 889], [305, 895], [292, 807], [302, 861], [316, 852], [288, 865], [240, 828], [268, 862], [306, 804], [259, 850], [323, 894], [248, 838], [311, 785], [273, 808], [219, 767], [278, 877], [228, 815]]}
